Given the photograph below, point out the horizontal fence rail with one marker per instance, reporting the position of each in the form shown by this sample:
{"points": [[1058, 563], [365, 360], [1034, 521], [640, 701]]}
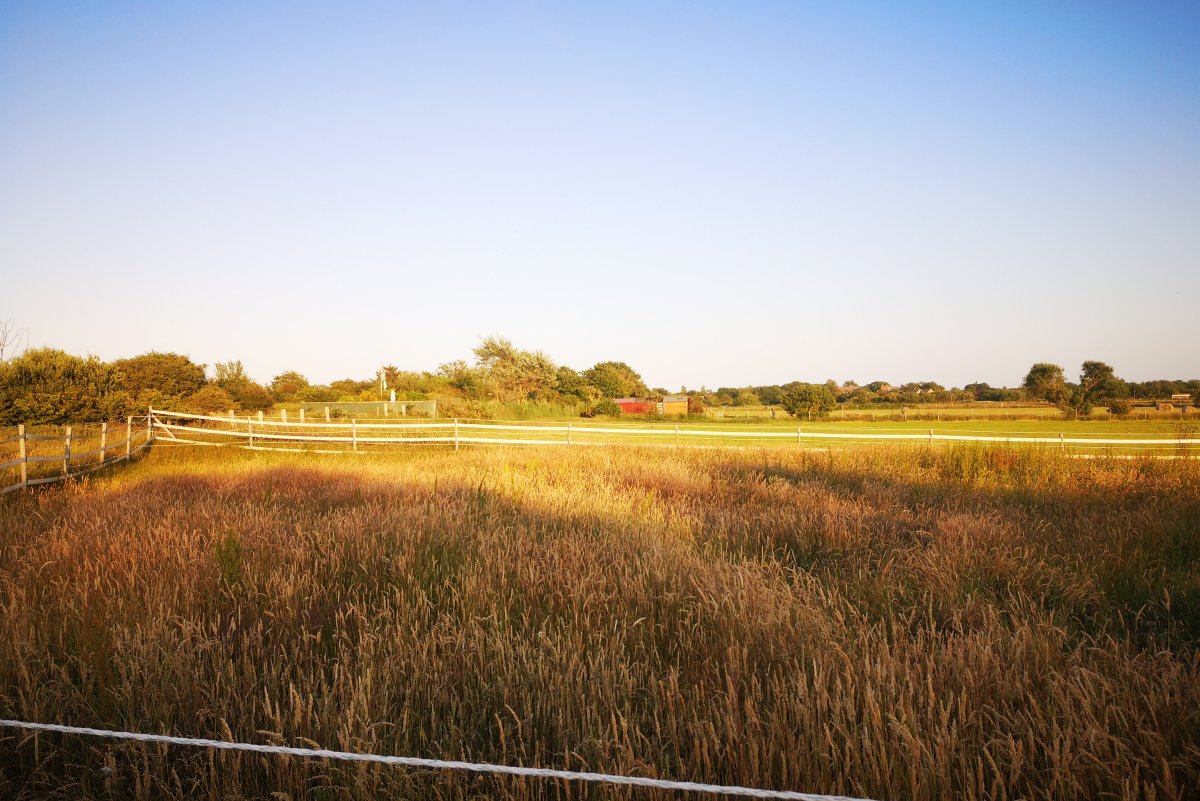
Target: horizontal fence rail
{"points": [[74, 462], [437, 764], [258, 434]]}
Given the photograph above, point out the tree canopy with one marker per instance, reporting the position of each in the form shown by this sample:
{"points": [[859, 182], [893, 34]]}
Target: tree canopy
{"points": [[810, 400], [45, 385], [616, 380], [160, 378], [1046, 381]]}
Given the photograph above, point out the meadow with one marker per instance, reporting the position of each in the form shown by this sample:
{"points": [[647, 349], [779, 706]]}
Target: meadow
{"points": [[879, 621]]}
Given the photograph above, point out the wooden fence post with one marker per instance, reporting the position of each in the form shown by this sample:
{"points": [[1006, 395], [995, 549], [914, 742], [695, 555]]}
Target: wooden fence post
{"points": [[67, 453], [283, 415], [232, 416], [456, 433], [149, 427], [354, 434], [326, 414], [568, 432], [128, 437], [260, 415], [301, 414], [677, 433], [103, 441], [24, 457], [250, 431], [797, 435]]}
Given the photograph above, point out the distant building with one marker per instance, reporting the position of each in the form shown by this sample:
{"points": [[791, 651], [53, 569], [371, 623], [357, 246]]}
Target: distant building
{"points": [[674, 404], [668, 404], [635, 405]]}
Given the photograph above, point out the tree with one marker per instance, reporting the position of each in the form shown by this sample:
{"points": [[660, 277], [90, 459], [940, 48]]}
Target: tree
{"points": [[514, 374], [10, 339], [45, 385], [571, 384], [251, 395], [813, 400], [288, 385], [230, 372], [1046, 381], [462, 377], [232, 378], [348, 389], [1097, 383], [160, 377], [616, 380], [745, 397]]}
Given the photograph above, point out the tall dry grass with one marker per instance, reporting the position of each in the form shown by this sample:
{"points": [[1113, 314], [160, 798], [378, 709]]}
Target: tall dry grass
{"points": [[891, 623]]}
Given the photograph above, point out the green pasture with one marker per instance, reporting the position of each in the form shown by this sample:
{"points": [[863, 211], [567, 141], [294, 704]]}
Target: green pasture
{"points": [[371, 436]]}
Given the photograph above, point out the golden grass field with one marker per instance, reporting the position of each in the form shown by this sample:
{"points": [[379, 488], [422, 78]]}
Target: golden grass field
{"points": [[889, 622]]}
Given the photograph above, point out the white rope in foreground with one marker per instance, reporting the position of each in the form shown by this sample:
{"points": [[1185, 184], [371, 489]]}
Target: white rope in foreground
{"points": [[417, 762]]}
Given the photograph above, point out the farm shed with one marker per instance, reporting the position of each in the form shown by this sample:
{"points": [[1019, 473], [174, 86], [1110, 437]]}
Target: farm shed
{"points": [[634, 405], [674, 404], [670, 404]]}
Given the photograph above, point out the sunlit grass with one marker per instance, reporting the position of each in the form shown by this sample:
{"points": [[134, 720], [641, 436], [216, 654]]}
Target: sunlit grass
{"points": [[908, 623]]}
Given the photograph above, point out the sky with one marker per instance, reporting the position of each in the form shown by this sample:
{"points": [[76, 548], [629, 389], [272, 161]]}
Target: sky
{"points": [[719, 194]]}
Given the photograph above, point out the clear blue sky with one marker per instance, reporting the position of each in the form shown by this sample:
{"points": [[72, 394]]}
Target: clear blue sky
{"points": [[718, 194]]}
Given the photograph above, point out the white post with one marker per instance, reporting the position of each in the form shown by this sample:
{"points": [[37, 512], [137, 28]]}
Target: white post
{"points": [[456, 433], [1062, 440], [931, 436], [677, 433], [386, 409], [326, 414], [797, 435], [354, 434], [232, 416], [283, 415], [260, 415], [67, 453], [103, 441], [128, 437], [250, 431], [24, 457], [301, 414], [568, 432]]}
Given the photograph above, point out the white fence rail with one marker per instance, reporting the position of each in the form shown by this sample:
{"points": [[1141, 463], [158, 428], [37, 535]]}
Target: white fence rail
{"points": [[436, 764], [75, 463], [259, 434]]}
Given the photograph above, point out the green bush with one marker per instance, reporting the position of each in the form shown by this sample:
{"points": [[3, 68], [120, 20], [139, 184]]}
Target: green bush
{"points": [[604, 406]]}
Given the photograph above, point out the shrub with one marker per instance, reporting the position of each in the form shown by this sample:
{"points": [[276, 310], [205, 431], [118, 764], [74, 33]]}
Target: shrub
{"points": [[1119, 406], [604, 406], [209, 399]]}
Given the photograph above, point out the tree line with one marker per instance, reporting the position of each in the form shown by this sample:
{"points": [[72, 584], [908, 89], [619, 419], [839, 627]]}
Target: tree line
{"points": [[44, 385], [49, 386]]}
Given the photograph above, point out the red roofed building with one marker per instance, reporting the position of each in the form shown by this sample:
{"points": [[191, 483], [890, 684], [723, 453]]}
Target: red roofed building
{"points": [[635, 405]]}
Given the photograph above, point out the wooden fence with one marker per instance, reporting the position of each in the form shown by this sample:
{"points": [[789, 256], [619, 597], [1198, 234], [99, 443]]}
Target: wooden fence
{"points": [[65, 459]]}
